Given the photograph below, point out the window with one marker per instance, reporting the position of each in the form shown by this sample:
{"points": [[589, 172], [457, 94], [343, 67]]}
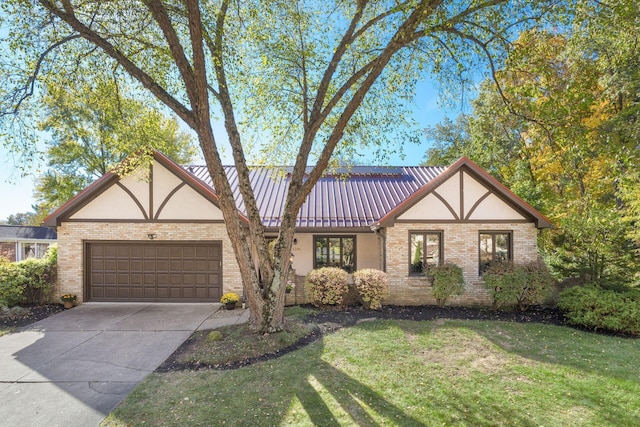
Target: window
{"points": [[494, 247], [425, 249], [335, 251], [33, 250]]}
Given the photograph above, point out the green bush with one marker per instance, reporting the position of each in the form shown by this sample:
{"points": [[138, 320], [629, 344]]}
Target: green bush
{"points": [[372, 286], [447, 279], [327, 286], [596, 308], [11, 283], [28, 281], [518, 285]]}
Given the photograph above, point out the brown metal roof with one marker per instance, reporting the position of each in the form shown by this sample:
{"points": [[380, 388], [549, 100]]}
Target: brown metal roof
{"points": [[355, 197]]}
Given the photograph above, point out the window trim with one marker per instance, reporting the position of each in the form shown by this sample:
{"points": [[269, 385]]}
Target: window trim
{"points": [[440, 234], [494, 233], [316, 237]]}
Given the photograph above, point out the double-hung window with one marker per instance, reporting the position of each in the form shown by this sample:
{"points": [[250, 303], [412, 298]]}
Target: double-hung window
{"points": [[425, 250], [495, 246], [335, 251]]}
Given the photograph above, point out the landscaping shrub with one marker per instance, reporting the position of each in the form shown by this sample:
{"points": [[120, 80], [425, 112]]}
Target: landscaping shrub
{"points": [[517, 285], [28, 281], [596, 308], [447, 279], [40, 275], [372, 286], [11, 283], [326, 286]]}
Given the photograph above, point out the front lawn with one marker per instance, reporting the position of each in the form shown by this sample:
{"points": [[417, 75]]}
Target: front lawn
{"points": [[404, 373]]}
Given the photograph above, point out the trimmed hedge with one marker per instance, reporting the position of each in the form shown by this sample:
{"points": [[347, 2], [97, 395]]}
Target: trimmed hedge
{"points": [[28, 281], [596, 308], [519, 285], [372, 286], [327, 286], [448, 280]]}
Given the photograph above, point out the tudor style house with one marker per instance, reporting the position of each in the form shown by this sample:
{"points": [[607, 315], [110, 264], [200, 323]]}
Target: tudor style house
{"points": [[159, 235]]}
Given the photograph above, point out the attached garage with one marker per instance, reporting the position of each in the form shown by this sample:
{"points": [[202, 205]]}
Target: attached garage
{"points": [[153, 271]]}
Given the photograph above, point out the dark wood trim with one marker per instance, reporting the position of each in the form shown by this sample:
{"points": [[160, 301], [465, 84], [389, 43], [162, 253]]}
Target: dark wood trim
{"points": [[423, 232], [442, 199], [329, 230], [475, 171], [336, 236], [150, 221], [83, 198], [461, 184], [135, 199], [477, 203], [166, 199], [464, 221], [156, 241], [493, 243], [151, 184]]}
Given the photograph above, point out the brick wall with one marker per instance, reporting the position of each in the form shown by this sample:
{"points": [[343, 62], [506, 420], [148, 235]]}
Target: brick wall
{"points": [[460, 246], [8, 250], [71, 236]]}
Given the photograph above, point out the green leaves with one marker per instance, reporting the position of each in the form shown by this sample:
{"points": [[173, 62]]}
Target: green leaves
{"points": [[94, 127]]}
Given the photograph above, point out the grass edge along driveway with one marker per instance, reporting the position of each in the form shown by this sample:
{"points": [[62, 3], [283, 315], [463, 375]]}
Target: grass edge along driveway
{"points": [[407, 373]]}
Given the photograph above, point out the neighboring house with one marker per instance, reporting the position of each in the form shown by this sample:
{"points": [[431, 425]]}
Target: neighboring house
{"points": [[18, 242], [159, 235]]}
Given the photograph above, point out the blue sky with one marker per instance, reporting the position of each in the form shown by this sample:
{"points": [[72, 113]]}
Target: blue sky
{"points": [[16, 191]]}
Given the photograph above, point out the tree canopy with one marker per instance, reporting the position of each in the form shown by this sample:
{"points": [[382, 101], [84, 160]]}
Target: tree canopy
{"points": [[561, 130], [312, 78], [93, 127]]}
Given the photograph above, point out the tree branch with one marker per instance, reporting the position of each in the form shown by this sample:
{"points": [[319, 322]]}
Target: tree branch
{"points": [[68, 16], [27, 90]]}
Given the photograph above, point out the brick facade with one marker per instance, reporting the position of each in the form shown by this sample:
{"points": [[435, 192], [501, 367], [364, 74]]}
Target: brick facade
{"points": [[71, 258], [8, 250], [460, 246]]}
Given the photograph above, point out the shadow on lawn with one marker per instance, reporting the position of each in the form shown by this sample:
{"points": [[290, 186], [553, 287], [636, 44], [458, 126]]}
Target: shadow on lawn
{"points": [[315, 386], [609, 356]]}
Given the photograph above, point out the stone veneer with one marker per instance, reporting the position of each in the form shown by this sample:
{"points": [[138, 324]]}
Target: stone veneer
{"points": [[460, 246], [71, 237]]}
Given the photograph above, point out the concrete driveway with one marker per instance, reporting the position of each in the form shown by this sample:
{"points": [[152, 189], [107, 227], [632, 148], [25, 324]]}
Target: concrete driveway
{"points": [[74, 368]]}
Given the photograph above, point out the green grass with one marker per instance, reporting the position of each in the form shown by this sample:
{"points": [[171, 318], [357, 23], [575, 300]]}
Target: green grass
{"points": [[4, 330], [407, 373]]}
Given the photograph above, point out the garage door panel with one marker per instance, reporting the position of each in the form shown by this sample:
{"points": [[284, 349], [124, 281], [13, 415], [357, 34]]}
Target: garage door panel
{"points": [[162, 265], [154, 271], [110, 251]]}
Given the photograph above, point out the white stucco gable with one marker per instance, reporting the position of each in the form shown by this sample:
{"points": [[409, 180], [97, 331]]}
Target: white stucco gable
{"points": [[157, 194], [461, 197]]}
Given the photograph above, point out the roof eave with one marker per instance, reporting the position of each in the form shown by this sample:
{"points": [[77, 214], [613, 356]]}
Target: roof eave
{"points": [[539, 219]]}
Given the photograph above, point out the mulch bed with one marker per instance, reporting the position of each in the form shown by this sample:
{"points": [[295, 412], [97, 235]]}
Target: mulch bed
{"points": [[36, 312], [332, 320]]}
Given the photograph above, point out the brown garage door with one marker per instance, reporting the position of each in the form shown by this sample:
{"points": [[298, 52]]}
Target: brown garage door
{"points": [[154, 271]]}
